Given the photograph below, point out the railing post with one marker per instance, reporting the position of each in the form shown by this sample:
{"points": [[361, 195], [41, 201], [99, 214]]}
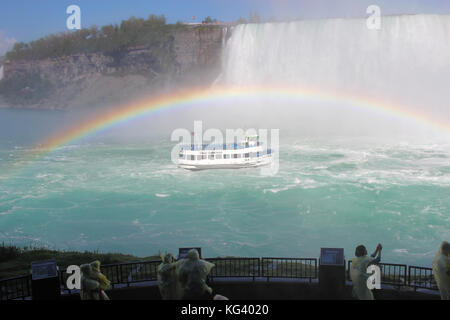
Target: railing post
{"points": [[315, 269], [405, 275], [117, 274], [28, 285], [120, 274], [258, 272], [409, 276]]}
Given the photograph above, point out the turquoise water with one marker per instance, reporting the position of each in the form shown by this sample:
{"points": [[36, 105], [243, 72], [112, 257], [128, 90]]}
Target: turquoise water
{"points": [[129, 197]]}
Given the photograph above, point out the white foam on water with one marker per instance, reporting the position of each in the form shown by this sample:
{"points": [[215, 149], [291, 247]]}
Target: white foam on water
{"points": [[4, 213], [162, 195]]}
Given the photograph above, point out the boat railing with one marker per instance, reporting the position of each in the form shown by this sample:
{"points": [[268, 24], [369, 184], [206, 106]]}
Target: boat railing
{"points": [[220, 147]]}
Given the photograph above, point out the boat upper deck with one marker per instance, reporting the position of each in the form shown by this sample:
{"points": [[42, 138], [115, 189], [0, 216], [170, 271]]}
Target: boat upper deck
{"points": [[220, 147]]}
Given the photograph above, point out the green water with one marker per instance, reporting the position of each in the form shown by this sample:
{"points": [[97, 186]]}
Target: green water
{"points": [[129, 197]]}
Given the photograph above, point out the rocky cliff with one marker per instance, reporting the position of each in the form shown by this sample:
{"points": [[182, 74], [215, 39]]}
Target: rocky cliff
{"points": [[192, 56]]}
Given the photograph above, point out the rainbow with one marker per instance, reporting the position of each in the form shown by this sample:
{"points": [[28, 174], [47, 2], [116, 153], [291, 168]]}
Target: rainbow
{"points": [[146, 106]]}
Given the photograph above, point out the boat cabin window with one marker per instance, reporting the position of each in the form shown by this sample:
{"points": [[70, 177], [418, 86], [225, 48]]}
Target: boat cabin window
{"points": [[192, 157], [218, 156], [226, 156], [247, 155], [211, 156], [199, 157]]}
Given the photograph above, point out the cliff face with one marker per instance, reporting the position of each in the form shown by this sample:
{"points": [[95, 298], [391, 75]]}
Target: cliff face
{"points": [[192, 55], [199, 47]]}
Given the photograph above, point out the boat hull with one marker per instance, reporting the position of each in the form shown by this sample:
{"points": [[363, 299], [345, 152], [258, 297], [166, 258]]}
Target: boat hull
{"points": [[238, 165]]}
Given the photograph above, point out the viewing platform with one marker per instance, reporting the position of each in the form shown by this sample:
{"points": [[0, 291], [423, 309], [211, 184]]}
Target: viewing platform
{"points": [[245, 279]]}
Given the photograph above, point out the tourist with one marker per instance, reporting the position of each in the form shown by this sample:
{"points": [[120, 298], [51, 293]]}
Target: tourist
{"points": [[93, 282], [358, 271], [169, 286], [192, 274], [441, 270]]}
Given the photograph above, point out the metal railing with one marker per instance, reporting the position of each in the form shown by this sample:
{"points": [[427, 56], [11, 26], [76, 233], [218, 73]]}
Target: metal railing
{"points": [[131, 272], [394, 274], [300, 268], [124, 274], [391, 273], [15, 288], [421, 277], [63, 277], [121, 273], [235, 268]]}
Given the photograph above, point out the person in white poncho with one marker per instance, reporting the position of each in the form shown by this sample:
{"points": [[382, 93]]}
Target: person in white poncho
{"points": [[169, 286], [441, 270], [358, 271], [192, 274], [93, 282]]}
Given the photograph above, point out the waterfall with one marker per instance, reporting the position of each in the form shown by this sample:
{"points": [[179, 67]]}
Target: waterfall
{"points": [[407, 60], [1, 72], [225, 33]]}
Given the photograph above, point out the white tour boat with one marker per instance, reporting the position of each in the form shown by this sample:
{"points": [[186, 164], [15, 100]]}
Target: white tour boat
{"points": [[249, 153]]}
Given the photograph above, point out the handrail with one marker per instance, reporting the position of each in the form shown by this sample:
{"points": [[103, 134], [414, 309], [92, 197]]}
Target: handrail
{"points": [[391, 273], [303, 268], [421, 277], [126, 273], [219, 147], [15, 288], [234, 267]]}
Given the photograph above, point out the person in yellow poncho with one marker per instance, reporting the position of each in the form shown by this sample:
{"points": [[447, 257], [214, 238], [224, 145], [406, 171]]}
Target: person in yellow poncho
{"points": [[169, 286], [441, 270], [358, 271], [93, 282], [192, 272]]}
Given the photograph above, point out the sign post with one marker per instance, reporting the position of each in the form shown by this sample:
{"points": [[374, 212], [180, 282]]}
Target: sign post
{"points": [[332, 273], [44, 280]]}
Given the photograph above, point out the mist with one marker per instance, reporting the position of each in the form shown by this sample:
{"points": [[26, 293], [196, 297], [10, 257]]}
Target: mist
{"points": [[406, 63], [400, 64]]}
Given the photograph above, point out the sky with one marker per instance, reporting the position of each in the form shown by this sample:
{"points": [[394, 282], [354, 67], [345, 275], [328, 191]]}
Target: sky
{"points": [[26, 20]]}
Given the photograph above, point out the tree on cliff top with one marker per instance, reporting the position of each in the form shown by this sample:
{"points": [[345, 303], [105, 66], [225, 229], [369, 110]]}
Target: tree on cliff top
{"points": [[130, 33], [241, 21], [254, 17], [208, 19]]}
